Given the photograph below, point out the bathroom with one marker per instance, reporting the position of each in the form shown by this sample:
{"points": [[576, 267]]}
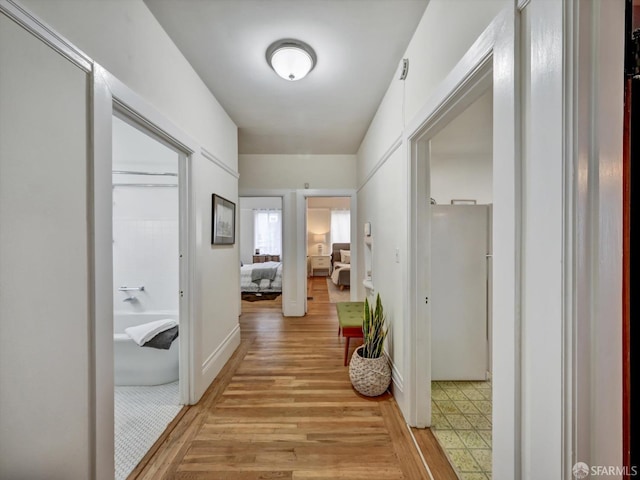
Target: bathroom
{"points": [[146, 286]]}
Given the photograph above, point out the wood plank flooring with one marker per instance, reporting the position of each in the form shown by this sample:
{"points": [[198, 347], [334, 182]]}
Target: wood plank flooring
{"points": [[283, 408]]}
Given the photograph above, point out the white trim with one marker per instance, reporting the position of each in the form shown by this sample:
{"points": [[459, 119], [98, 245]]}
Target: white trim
{"points": [[415, 444], [47, 34], [396, 376], [569, 294], [522, 4], [385, 156], [597, 225], [187, 266], [219, 357], [467, 83], [148, 116], [212, 158], [101, 278]]}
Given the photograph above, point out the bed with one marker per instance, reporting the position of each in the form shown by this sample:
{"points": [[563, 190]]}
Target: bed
{"points": [[341, 264], [265, 277]]}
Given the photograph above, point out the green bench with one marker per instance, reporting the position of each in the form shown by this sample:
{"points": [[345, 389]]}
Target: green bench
{"points": [[349, 322]]}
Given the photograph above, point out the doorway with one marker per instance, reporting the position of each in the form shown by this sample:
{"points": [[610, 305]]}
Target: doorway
{"points": [[461, 172], [328, 249], [146, 214], [261, 253]]}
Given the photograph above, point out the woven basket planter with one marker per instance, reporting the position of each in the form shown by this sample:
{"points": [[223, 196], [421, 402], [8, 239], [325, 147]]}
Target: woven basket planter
{"points": [[369, 376]]}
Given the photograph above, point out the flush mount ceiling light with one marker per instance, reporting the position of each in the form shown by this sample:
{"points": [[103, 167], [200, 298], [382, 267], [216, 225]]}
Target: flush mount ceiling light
{"points": [[291, 59]]}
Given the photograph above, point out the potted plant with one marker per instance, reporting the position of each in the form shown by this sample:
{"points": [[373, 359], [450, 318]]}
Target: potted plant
{"points": [[369, 369]]}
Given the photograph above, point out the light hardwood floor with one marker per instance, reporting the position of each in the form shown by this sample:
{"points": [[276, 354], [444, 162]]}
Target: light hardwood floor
{"points": [[283, 407]]}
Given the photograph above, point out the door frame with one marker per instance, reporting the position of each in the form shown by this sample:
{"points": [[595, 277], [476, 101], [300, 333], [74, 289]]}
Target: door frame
{"points": [[184, 251], [289, 287], [285, 257], [491, 60], [301, 204], [111, 96]]}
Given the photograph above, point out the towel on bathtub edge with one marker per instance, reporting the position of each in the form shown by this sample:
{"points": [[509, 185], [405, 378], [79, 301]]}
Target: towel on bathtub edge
{"points": [[163, 340], [141, 334]]}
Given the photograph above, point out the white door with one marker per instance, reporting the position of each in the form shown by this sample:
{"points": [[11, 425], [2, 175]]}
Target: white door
{"points": [[459, 248]]}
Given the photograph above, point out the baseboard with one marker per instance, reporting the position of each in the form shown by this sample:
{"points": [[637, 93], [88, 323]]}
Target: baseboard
{"points": [[214, 363], [396, 377], [292, 309]]}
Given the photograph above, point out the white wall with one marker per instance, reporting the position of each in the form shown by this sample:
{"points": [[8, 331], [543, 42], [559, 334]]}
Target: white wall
{"points": [[440, 40], [461, 177], [461, 155], [145, 223], [126, 39], [388, 219], [145, 249], [293, 171], [319, 221], [340, 203], [45, 361]]}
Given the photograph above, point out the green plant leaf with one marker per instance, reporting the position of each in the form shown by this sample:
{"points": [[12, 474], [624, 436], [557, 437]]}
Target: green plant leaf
{"points": [[374, 329]]}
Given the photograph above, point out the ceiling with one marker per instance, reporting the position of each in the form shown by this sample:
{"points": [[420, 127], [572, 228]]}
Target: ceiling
{"points": [[359, 45]]}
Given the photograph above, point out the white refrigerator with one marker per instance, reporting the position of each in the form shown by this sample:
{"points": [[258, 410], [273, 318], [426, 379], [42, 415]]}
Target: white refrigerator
{"points": [[460, 253]]}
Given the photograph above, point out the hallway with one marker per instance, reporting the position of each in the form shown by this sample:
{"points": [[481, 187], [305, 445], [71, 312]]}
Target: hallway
{"points": [[283, 407]]}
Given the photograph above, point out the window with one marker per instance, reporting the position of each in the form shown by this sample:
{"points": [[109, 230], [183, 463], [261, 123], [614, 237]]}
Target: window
{"points": [[340, 226], [267, 231]]}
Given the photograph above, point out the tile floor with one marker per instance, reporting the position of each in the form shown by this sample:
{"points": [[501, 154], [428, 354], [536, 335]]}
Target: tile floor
{"points": [[141, 415], [461, 421]]}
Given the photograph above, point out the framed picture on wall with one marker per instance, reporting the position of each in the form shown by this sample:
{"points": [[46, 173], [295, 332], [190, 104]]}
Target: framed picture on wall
{"points": [[223, 221]]}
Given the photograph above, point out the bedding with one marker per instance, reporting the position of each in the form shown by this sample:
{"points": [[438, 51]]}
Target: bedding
{"points": [[341, 264], [340, 271], [265, 277]]}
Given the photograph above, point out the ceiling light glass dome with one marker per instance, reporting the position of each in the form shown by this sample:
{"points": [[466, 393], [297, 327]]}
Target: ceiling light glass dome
{"points": [[291, 59]]}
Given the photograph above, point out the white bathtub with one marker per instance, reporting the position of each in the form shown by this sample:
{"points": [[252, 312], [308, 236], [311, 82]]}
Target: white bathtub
{"points": [[135, 365]]}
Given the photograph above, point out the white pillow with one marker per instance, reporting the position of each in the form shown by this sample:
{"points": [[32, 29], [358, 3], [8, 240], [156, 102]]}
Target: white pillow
{"points": [[345, 256]]}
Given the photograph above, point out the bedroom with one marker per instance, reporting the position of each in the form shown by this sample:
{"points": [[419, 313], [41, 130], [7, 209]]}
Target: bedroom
{"points": [[328, 245], [260, 232], [261, 248]]}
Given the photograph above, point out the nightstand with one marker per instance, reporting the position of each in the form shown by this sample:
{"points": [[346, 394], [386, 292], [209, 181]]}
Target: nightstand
{"points": [[320, 262]]}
